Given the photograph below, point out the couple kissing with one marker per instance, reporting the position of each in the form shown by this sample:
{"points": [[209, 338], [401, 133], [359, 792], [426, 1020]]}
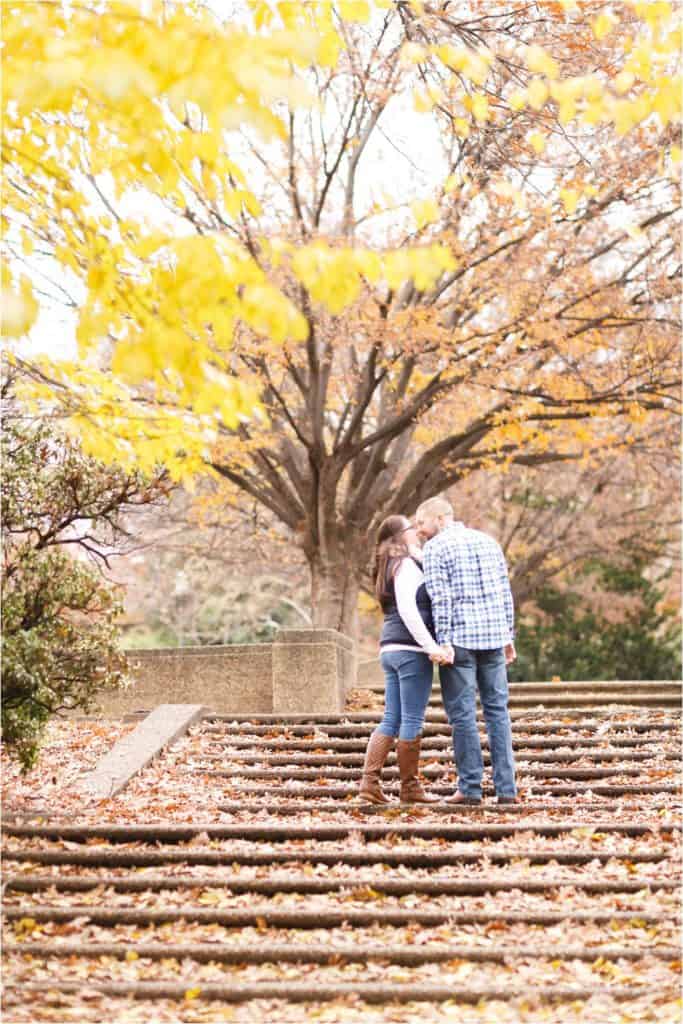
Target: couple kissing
{"points": [[447, 603]]}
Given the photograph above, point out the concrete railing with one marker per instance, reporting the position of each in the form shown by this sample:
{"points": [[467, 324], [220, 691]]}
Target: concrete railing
{"points": [[302, 670]]}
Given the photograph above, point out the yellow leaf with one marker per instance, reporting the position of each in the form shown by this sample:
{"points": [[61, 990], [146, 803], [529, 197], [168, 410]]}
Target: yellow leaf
{"points": [[567, 111], [570, 199], [538, 93], [666, 102], [18, 307], [454, 57], [476, 68], [462, 127], [412, 53], [537, 142], [480, 107], [422, 101], [25, 925], [517, 100], [131, 955], [602, 25], [367, 603], [192, 993], [538, 60], [354, 10], [623, 81], [425, 211]]}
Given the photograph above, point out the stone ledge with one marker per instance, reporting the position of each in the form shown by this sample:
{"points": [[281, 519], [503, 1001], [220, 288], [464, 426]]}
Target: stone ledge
{"points": [[166, 723], [206, 651], [313, 636]]}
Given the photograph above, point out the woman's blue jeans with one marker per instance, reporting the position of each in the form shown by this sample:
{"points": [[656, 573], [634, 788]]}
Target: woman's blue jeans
{"points": [[407, 684], [485, 671]]}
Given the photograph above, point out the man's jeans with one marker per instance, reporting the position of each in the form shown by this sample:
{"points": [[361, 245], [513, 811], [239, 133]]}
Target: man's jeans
{"points": [[407, 684], [487, 671]]}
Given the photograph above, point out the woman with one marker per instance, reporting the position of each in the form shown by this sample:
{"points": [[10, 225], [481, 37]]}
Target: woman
{"points": [[408, 650]]}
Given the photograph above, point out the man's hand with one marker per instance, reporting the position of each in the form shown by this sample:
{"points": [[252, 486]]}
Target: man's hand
{"points": [[445, 655], [510, 653]]}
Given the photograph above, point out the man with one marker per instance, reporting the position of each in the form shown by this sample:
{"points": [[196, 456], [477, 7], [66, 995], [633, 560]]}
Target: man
{"points": [[467, 581]]}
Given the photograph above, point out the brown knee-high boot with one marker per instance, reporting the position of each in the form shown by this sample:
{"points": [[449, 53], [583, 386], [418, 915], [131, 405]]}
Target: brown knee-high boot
{"points": [[376, 754], [408, 755]]}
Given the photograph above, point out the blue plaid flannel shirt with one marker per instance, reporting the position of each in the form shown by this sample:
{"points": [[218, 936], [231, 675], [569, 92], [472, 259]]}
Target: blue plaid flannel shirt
{"points": [[467, 582]]}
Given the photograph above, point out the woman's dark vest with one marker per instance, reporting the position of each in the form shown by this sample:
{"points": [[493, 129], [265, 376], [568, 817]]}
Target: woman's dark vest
{"points": [[394, 629]]}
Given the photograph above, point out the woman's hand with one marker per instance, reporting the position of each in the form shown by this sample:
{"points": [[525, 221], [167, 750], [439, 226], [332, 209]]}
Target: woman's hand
{"points": [[444, 656]]}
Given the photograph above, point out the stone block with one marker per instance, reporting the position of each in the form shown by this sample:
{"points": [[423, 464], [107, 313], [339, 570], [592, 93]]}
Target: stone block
{"points": [[369, 674], [242, 678], [313, 669], [231, 678]]}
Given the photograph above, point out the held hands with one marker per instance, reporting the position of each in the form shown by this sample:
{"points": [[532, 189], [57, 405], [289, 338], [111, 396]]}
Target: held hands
{"points": [[444, 656]]}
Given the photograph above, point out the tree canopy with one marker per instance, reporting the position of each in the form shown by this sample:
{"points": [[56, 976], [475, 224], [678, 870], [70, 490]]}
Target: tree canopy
{"points": [[252, 295]]}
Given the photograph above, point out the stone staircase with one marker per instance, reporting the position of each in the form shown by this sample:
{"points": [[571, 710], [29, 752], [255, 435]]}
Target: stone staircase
{"points": [[293, 892]]}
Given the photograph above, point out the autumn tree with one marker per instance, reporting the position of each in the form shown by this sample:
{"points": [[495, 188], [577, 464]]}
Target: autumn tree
{"points": [[556, 324], [511, 303], [553, 520]]}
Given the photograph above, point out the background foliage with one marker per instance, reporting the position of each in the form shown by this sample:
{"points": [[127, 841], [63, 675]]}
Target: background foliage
{"points": [[60, 513], [613, 623]]}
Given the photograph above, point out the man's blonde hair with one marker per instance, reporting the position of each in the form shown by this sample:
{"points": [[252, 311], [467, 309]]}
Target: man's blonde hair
{"points": [[436, 507]]}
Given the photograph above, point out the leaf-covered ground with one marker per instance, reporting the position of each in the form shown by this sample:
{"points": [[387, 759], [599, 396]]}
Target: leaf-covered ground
{"points": [[259, 878]]}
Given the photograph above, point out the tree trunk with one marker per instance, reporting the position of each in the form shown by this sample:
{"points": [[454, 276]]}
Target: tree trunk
{"points": [[335, 586]]}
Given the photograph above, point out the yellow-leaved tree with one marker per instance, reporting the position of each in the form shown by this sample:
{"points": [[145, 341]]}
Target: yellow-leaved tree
{"points": [[342, 254]]}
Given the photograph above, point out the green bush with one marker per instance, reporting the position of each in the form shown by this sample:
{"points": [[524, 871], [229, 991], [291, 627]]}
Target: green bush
{"points": [[59, 632], [571, 638], [59, 644]]}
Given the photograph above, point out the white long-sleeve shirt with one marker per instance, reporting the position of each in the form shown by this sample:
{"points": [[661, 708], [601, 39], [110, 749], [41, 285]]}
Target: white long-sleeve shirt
{"points": [[408, 579]]}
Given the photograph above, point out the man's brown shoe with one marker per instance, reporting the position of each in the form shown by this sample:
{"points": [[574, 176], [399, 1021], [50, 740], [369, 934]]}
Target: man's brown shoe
{"points": [[508, 800], [460, 798]]}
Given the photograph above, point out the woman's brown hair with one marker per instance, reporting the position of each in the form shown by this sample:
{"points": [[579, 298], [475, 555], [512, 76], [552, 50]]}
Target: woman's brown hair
{"points": [[390, 550]]}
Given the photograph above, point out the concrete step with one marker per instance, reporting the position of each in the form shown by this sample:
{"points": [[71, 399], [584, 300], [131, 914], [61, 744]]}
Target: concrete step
{"points": [[541, 803], [541, 791], [613, 717], [107, 856], [445, 754], [281, 882], [252, 916], [570, 700], [299, 953], [160, 833], [433, 744], [645, 687], [316, 992], [329, 768]]}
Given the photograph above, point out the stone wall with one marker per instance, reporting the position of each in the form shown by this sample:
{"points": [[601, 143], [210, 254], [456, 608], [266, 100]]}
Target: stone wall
{"points": [[302, 671]]}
